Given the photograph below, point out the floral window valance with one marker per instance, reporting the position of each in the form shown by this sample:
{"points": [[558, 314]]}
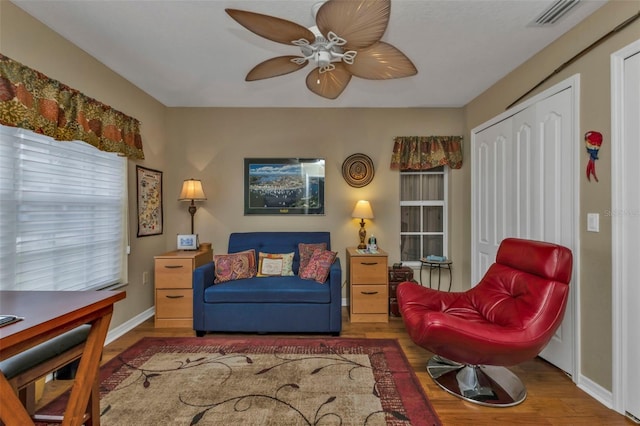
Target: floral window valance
{"points": [[33, 101], [426, 152]]}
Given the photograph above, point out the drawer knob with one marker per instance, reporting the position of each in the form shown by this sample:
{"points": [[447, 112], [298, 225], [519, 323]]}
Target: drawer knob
{"points": [[173, 266], [368, 263], [174, 297], [369, 293]]}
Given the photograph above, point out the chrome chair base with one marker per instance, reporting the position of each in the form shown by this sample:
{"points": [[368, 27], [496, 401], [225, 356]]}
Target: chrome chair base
{"points": [[487, 385]]}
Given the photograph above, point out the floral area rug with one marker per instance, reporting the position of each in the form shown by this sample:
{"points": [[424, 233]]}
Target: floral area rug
{"points": [[217, 380]]}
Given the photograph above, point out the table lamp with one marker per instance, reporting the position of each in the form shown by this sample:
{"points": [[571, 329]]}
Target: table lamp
{"points": [[192, 191], [363, 211]]}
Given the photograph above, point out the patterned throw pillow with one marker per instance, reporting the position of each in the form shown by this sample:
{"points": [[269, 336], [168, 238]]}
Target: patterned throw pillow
{"points": [[235, 266], [306, 251], [275, 264], [318, 266]]}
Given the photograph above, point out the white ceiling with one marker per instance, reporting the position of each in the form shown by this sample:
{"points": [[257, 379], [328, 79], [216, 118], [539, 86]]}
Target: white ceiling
{"points": [[191, 53]]}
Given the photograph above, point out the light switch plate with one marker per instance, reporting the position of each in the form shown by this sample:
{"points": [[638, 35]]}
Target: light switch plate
{"points": [[593, 222]]}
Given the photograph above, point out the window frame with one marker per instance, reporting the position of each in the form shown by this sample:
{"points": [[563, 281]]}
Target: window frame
{"points": [[444, 203]]}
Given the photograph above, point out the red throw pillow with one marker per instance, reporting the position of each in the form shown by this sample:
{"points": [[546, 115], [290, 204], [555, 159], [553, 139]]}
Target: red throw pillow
{"points": [[306, 251], [318, 266], [235, 266]]}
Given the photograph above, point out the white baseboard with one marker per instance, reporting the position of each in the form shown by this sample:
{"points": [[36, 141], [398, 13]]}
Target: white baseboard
{"points": [[596, 391], [344, 301], [127, 326]]}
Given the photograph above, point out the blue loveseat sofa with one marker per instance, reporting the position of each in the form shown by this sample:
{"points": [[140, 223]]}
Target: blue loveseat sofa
{"points": [[287, 304]]}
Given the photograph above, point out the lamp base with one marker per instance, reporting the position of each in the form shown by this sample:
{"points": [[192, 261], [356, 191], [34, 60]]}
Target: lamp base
{"points": [[362, 233]]}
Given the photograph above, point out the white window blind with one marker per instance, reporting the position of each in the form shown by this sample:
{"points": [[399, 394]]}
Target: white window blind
{"points": [[63, 214], [423, 213]]}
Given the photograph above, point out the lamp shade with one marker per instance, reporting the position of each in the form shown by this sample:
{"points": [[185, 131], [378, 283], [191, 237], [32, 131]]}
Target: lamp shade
{"points": [[363, 210], [192, 190]]}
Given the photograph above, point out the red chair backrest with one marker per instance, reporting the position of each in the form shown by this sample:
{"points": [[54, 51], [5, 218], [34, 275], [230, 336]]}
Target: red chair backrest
{"points": [[527, 287], [546, 260]]}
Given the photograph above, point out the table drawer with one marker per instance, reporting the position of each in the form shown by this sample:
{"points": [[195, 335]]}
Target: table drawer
{"points": [[369, 299], [173, 273], [176, 303], [368, 271]]}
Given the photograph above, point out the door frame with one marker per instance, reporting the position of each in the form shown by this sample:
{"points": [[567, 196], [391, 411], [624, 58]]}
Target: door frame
{"points": [[572, 83], [620, 314]]}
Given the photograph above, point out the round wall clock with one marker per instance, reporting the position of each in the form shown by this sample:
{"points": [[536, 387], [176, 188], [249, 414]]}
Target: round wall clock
{"points": [[357, 170]]}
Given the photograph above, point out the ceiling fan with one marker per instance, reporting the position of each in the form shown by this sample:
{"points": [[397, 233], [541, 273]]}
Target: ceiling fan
{"points": [[345, 42]]}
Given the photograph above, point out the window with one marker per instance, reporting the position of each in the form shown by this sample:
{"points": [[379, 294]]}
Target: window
{"points": [[423, 213], [63, 210]]}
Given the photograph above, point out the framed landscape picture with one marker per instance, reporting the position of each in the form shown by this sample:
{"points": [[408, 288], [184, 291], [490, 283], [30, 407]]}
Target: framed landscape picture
{"points": [[284, 186]]}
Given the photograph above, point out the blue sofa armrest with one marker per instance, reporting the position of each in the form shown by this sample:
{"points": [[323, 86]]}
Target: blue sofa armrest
{"points": [[203, 277], [335, 281]]}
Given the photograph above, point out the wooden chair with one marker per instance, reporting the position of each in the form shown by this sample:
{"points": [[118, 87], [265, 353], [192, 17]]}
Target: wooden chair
{"points": [[24, 369]]}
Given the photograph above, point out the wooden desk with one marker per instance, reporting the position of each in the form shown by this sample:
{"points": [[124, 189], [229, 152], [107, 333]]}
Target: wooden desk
{"points": [[48, 314]]}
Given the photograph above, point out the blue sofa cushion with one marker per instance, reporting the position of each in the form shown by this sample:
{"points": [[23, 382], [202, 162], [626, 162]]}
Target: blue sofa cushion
{"points": [[290, 289]]}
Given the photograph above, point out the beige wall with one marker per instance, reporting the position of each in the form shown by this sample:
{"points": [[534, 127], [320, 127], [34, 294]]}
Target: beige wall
{"points": [[595, 197], [26, 40], [211, 144]]}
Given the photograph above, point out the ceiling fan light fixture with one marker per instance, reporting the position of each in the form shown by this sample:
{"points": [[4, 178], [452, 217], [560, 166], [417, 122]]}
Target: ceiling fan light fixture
{"points": [[345, 30], [323, 59]]}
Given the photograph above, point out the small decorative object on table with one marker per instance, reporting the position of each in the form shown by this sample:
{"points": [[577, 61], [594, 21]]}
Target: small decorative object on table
{"points": [[9, 319], [373, 245], [187, 242]]}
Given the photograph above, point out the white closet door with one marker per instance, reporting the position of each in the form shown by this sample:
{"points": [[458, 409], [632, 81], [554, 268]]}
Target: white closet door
{"points": [[625, 223], [524, 185], [493, 153], [555, 217]]}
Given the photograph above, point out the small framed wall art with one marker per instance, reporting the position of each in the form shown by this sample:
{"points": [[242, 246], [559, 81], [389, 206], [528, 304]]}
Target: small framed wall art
{"points": [[149, 197]]}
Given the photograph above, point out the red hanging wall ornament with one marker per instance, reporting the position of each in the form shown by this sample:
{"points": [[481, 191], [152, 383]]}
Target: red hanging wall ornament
{"points": [[592, 140]]}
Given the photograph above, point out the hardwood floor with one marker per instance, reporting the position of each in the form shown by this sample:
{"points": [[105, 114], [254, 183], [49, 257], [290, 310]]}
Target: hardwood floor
{"points": [[553, 399]]}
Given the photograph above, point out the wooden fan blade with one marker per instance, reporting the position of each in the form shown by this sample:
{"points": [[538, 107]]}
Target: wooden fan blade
{"points": [[270, 27], [380, 62], [360, 22], [274, 67], [329, 84]]}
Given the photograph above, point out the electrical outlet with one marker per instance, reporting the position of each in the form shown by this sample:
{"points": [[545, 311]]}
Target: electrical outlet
{"points": [[145, 278]]}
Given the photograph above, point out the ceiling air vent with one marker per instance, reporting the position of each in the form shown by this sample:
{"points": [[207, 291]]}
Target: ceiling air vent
{"points": [[554, 12]]}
